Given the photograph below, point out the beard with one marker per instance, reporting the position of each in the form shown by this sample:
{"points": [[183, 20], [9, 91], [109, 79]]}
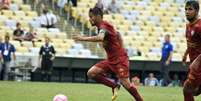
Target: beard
{"points": [[191, 19]]}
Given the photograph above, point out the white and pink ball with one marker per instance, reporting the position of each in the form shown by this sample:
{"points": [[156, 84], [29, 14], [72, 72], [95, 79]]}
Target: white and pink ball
{"points": [[60, 97]]}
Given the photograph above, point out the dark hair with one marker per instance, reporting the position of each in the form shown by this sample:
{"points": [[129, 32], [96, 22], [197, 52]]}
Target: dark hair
{"points": [[7, 36], [96, 11], [17, 24], [194, 4]]}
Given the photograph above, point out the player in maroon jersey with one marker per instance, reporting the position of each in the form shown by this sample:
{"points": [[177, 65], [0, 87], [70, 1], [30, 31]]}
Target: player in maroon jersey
{"points": [[193, 36], [117, 59]]}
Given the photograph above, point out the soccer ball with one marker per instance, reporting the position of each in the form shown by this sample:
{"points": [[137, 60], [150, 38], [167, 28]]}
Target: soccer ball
{"points": [[60, 97]]}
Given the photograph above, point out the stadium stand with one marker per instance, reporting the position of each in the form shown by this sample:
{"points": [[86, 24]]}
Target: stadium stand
{"points": [[144, 21]]}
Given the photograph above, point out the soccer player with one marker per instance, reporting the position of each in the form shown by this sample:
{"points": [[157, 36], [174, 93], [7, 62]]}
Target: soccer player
{"points": [[193, 35], [117, 59]]}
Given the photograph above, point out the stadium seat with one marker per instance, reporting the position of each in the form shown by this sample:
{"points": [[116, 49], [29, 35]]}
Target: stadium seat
{"points": [[31, 13], [19, 13], [22, 49], [18, 2], [14, 7], [25, 8], [7, 13]]}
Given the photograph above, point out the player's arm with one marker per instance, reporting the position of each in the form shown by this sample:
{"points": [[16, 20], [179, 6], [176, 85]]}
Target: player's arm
{"points": [[170, 55], [185, 56], [169, 58], [40, 54], [54, 52], [97, 38]]}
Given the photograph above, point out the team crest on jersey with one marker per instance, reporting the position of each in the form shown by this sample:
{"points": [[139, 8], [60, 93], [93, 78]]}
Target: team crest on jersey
{"points": [[192, 32]]}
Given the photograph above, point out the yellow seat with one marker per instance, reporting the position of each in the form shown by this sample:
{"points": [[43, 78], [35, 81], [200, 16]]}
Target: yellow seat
{"points": [[7, 13], [65, 45], [61, 51], [127, 40], [27, 18], [118, 17], [108, 17], [31, 14], [136, 44], [166, 19], [164, 24], [128, 7], [160, 14], [18, 2], [19, 13], [25, 7], [42, 30], [123, 27], [144, 50], [22, 49], [24, 23], [151, 39], [16, 18], [2, 23], [153, 56], [61, 35], [147, 28], [176, 57], [140, 8], [147, 44], [148, 10], [158, 1], [82, 4], [137, 58], [15, 43], [57, 40], [27, 44], [39, 44], [157, 44], [56, 45], [69, 41]]}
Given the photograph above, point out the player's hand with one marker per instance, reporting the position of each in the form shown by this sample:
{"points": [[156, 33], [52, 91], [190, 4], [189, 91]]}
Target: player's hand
{"points": [[184, 60], [52, 58], [39, 63], [77, 37], [167, 62]]}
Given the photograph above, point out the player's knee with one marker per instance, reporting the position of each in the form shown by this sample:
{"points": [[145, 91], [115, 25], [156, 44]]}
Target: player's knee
{"points": [[187, 90], [199, 57], [195, 94], [126, 84], [91, 74]]}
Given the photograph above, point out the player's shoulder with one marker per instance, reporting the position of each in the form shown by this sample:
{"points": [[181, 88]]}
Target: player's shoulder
{"points": [[198, 24], [105, 24]]}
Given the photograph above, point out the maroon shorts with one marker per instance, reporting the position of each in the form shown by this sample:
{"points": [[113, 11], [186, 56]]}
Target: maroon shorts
{"points": [[194, 76], [121, 69]]}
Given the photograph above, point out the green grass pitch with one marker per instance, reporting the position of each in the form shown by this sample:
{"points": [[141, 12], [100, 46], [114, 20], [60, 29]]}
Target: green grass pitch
{"points": [[37, 91]]}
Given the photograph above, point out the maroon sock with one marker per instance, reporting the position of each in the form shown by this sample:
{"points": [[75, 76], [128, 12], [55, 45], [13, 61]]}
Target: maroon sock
{"points": [[188, 97], [106, 81], [133, 91]]}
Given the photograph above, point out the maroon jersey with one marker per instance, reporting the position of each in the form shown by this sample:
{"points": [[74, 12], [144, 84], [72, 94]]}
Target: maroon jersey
{"points": [[112, 43], [193, 37]]}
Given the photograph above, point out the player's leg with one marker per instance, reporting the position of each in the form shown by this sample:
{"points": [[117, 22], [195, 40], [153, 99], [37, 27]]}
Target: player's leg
{"points": [[49, 70], [115, 91], [42, 72], [195, 70], [97, 72], [7, 70], [197, 91], [122, 72], [131, 88], [188, 90]]}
